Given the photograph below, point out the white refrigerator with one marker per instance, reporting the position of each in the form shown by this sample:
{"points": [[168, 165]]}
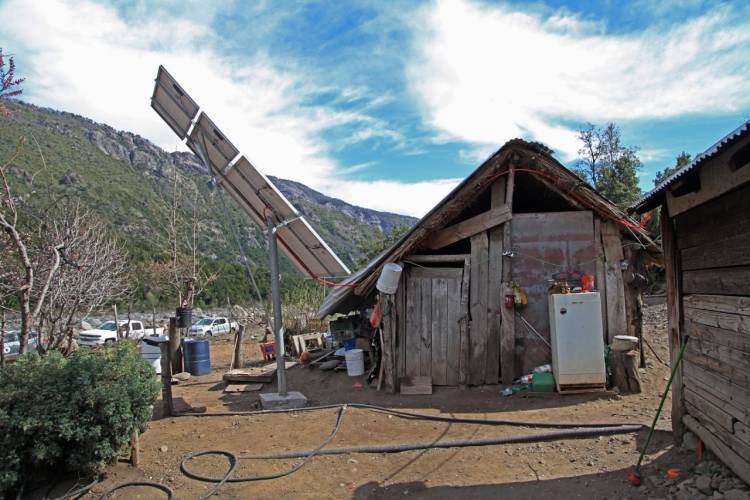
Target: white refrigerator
{"points": [[577, 341]]}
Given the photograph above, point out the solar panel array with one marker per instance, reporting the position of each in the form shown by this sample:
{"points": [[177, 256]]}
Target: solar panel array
{"points": [[252, 190]]}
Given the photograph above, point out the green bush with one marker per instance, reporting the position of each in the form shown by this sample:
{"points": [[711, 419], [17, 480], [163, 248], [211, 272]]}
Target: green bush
{"points": [[71, 414]]}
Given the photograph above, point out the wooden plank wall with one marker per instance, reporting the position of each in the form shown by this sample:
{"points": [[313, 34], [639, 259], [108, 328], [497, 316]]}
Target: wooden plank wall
{"points": [[714, 257]]}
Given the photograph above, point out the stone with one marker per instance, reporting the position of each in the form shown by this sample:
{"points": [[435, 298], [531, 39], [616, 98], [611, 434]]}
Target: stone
{"points": [[703, 483], [688, 442], [275, 401], [736, 494], [725, 485], [182, 376], [164, 448]]}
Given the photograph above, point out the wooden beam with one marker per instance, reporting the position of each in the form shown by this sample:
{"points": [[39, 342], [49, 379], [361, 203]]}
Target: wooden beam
{"points": [[469, 227], [478, 299], [719, 303], [495, 292], [436, 272], [613, 255], [508, 322], [463, 326], [436, 259], [672, 271]]}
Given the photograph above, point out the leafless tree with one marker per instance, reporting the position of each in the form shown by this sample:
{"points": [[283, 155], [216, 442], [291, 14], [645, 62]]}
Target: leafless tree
{"points": [[93, 273], [21, 261]]}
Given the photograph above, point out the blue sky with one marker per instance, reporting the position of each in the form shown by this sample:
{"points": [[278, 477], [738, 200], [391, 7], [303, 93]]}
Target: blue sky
{"points": [[389, 104]]}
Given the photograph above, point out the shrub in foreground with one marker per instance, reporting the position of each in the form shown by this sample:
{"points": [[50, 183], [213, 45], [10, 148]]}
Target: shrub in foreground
{"points": [[71, 414]]}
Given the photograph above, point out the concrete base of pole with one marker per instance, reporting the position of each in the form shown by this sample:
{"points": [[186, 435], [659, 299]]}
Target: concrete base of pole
{"points": [[275, 401]]}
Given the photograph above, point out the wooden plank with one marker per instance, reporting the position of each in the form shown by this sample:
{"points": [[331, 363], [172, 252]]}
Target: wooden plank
{"points": [[495, 293], [388, 332], [239, 388], [718, 219], [616, 318], [740, 414], [430, 273], [726, 321], [478, 298], [412, 332], [726, 252], [416, 386], [739, 465], [730, 391], [508, 320], [726, 437], [464, 326], [723, 281], [702, 354], [436, 259], [718, 336], [720, 303], [672, 278], [425, 327], [453, 331], [742, 431], [601, 282], [469, 227], [439, 331]]}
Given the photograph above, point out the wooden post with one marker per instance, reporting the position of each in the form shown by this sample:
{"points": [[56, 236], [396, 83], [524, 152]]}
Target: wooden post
{"points": [[166, 379], [117, 323], [674, 315], [175, 349], [237, 361], [508, 322], [135, 449], [495, 292], [153, 321]]}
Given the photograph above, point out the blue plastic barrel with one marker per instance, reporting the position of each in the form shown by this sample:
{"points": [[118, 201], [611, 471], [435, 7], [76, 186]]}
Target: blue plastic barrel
{"points": [[197, 356]]}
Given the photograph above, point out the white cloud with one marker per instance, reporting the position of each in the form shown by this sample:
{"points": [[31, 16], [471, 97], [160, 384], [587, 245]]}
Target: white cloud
{"points": [[83, 57], [486, 74]]}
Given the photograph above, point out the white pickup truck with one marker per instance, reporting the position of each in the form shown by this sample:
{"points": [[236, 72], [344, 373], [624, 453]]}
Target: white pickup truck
{"points": [[106, 333], [212, 326]]}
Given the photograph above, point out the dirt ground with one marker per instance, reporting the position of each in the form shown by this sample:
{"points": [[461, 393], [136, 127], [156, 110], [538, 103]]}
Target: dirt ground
{"points": [[571, 468]]}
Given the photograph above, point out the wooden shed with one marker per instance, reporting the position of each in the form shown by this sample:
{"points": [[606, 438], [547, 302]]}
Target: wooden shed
{"points": [[705, 215], [520, 218]]}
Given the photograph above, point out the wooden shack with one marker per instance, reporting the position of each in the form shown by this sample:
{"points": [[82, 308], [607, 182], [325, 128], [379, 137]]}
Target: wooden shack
{"points": [[705, 216], [521, 218]]}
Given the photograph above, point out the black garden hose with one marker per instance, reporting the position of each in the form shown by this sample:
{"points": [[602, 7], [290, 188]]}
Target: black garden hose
{"points": [[567, 431]]}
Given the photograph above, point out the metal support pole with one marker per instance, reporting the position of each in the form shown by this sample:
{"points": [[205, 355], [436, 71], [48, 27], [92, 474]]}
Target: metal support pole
{"points": [[278, 326]]}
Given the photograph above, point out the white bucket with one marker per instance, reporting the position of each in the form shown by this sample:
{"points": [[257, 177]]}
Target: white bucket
{"points": [[355, 363], [624, 343], [388, 280]]}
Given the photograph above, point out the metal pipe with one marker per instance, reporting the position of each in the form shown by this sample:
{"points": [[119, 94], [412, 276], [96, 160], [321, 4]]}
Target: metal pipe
{"points": [[278, 326]]}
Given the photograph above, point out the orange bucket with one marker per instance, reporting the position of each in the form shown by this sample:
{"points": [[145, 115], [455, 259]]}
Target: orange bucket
{"points": [[587, 283]]}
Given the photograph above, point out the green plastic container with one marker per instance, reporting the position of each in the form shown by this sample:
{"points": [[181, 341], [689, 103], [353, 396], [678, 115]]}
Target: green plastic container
{"points": [[543, 382]]}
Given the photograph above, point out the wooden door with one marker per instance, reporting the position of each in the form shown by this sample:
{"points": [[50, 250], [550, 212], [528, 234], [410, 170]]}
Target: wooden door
{"points": [[432, 333]]}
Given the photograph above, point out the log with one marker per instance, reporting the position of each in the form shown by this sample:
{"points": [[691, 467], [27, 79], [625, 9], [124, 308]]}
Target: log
{"points": [[175, 349], [625, 373], [135, 449], [166, 380]]}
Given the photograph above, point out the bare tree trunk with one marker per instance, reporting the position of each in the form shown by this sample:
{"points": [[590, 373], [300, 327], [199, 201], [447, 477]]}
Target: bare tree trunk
{"points": [[127, 327], [2, 340], [117, 322], [237, 360], [153, 321]]}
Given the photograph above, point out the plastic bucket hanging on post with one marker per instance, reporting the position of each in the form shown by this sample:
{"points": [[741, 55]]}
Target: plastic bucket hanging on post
{"points": [[389, 277], [355, 363], [184, 317]]}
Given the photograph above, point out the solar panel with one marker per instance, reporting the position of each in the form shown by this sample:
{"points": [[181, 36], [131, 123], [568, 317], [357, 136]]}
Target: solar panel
{"points": [[173, 104], [252, 190]]}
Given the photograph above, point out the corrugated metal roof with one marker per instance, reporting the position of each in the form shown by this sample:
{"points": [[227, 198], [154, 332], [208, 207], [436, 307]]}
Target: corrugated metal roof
{"points": [[648, 200]]}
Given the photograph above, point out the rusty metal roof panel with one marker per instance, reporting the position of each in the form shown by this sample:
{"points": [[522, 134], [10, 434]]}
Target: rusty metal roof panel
{"points": [[649, 200]]}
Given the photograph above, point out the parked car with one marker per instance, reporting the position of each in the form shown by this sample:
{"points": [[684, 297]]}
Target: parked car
{"points": [[12, 344], [106, 333], [212, 326]]}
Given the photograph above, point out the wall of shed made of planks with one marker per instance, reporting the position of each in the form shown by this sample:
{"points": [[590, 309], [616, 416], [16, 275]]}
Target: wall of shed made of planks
{"points": [[712, 259], [489, 350]]}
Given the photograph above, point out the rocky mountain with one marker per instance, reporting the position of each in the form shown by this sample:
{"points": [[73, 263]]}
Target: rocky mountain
{"points": [[131, 183]]}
